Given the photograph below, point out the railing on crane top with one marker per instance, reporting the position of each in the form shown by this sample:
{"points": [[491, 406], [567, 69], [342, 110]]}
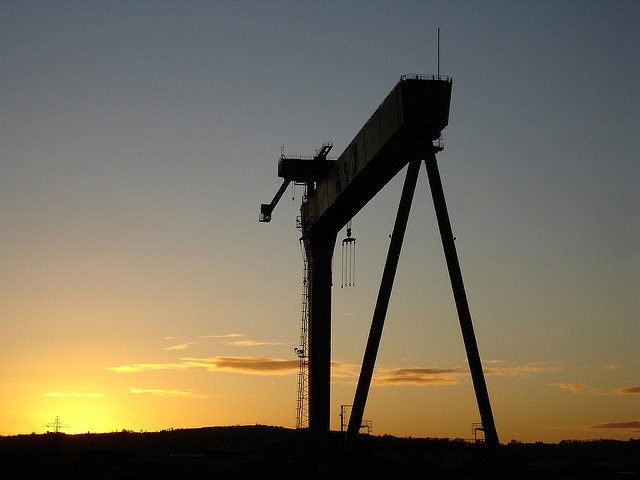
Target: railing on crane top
{"points": [[422, 76]]}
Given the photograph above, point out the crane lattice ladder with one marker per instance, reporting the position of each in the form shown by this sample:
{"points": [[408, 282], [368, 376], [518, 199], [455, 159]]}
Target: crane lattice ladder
{"points": [[302, 412]]}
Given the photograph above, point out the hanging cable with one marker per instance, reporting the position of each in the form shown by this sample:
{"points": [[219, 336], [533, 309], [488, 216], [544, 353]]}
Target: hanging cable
{"points": [[348, 259]]}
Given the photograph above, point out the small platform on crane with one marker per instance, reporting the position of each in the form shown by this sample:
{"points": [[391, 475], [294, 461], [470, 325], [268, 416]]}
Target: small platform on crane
{"points": [[305, 170], [299, 170]]}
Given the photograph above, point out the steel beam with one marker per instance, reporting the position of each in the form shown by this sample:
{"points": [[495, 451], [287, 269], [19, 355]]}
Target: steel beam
{"points": [[416, 108], [382, 303], [460, 297]]}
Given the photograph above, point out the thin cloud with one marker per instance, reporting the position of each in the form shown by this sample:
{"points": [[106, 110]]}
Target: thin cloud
{"points": [[248, 365], [143, 367], [572, 387], [452, 376], [76, 395], [524, 369], [344, 370], [631, 425], [182, 346], [278, 366], [165, 393], [420, 376], [628, 391], [251, 343], [229, 335], [581, 388]]}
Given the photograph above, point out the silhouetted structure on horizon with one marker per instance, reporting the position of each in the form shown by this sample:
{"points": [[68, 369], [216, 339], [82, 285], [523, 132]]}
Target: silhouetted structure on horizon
{"points": [[404, 130], [57, 425]]}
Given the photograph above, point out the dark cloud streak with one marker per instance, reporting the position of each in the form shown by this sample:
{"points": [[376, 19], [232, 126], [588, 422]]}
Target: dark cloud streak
{"points": [[634, 424], [420, 376], [628, 391]]}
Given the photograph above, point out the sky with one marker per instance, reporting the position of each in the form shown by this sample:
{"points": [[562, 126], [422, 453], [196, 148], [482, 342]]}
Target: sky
{"points": [[138, 140]]}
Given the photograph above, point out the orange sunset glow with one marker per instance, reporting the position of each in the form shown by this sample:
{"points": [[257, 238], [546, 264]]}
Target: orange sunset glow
{"points": [[140, 292]]}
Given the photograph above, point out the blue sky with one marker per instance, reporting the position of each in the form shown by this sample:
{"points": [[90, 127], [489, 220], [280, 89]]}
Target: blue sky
{"points": [[138, 139]]}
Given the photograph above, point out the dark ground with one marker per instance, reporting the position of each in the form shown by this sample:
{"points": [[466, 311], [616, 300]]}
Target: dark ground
{"points": [[274, 452]]}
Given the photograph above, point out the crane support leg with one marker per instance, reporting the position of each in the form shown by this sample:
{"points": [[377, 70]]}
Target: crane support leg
{"points": [[319, 248], [382, 303], [460, 297]]}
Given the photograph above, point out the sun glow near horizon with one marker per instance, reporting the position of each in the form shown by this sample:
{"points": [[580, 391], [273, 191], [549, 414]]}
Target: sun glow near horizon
{"points": [[190, 392]]}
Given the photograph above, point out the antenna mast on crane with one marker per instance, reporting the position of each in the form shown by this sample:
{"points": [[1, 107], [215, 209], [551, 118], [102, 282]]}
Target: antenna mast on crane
{"points": [[438, 52]]}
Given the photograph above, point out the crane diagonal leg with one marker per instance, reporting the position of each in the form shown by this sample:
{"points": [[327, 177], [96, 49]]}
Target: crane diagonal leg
{"points": [[380, 312], [464, 316]]}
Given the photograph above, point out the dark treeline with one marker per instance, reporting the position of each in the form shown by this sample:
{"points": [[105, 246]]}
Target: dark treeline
{"points": [[276, 452]]}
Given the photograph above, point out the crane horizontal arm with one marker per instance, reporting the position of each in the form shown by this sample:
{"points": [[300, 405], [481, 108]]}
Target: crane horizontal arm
{"points": [[404, 126], [267, 208]]}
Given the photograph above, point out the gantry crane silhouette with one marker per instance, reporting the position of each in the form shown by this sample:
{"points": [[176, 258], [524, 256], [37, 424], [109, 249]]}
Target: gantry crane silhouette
{"points": [[404, 130]]}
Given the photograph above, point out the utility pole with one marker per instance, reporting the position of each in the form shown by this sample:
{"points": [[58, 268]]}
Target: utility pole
{"points": [[57, 425]]}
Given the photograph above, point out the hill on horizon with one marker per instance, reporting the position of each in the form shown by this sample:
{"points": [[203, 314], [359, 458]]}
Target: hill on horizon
{"points": [[279, 452]]}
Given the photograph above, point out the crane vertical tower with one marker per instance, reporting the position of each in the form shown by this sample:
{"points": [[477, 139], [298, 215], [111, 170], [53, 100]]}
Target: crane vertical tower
{"points": [[404, 130]]}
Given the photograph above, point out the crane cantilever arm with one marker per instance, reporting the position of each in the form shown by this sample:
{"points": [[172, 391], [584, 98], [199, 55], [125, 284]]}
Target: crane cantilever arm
{"points": [[267, 208]]}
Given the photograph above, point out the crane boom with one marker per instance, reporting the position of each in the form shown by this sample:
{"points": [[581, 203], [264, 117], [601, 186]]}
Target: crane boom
{"points": [[267, 208], [410, 118]]}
